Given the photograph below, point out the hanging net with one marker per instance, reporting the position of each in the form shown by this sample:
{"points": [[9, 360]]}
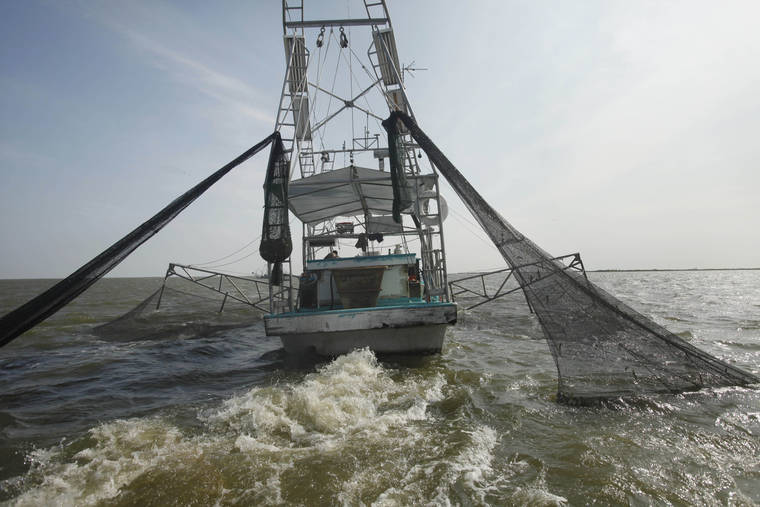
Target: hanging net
{"points": [[46, 304], [276, 244], [602, 347], [401, 198]]}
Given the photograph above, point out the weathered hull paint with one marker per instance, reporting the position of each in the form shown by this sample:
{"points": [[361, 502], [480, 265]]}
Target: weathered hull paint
{"points": [[399, 330], [403, 340]]}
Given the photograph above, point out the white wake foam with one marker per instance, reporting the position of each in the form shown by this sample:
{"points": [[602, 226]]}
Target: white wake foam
{"points": [[361, 428]]}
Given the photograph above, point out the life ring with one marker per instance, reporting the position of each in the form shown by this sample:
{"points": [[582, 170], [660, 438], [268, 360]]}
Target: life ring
{"points": [[443, 209]]}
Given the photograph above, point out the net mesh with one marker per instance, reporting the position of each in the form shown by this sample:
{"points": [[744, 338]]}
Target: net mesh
{"points": [[184, 310], [401, 198], [276, 244], [602, 347], [46, 304]]}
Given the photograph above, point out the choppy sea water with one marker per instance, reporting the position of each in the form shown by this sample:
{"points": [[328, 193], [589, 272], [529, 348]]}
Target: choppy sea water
{"points": [[184, 406]]}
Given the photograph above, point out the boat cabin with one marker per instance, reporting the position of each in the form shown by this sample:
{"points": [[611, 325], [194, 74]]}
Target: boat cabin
{"points": [[359, 282]]}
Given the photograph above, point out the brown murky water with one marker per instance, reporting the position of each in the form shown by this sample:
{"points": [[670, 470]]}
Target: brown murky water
{"points": [[191, 407]]}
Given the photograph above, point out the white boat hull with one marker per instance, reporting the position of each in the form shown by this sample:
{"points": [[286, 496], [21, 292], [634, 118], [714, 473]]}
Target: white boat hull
{"points": [[418, 329], [408, 340]]}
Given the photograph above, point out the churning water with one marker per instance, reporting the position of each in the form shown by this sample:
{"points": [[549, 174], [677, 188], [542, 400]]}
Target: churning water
{"points": [[185, 406]]}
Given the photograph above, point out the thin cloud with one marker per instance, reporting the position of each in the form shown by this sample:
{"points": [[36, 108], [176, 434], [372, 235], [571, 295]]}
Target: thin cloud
{"points": [[226, 89]]}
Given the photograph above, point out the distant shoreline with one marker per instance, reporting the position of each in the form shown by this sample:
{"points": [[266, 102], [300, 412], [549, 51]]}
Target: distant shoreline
{"points": [[655, 270], [669, 269]]}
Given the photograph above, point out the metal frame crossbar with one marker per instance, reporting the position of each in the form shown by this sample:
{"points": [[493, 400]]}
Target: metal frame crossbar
{"points": [[317, 23], [205, 277], [456, 288]]}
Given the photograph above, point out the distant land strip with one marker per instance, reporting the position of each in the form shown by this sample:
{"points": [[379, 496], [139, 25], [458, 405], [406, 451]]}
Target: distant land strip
{"points": [[668, 269], [455, 273]]}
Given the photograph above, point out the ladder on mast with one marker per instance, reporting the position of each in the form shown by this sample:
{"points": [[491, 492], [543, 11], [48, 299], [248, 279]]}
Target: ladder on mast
{"points": [[384, 59]]}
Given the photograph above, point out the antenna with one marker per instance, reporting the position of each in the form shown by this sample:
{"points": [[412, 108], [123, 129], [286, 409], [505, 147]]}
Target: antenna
{"points": [[410, 68]]}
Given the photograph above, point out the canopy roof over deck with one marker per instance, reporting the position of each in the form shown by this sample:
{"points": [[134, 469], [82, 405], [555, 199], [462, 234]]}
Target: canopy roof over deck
{"points": [[348, 191]]}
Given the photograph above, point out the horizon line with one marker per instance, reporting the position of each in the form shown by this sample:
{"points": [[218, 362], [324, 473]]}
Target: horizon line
{"points": [[606, 270]]}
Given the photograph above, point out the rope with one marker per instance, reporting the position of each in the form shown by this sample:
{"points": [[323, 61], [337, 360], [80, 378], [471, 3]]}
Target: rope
{"points": [[232, 262], [372, 79], [290, 223], [332, 90], [320, 64], [471, 231], [229, 255]]}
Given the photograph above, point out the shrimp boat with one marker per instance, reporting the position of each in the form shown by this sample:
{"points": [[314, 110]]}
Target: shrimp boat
{"points": [[373, 257]]}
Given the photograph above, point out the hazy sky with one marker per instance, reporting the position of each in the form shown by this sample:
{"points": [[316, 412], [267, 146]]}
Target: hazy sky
{"points": [[625, 130]]}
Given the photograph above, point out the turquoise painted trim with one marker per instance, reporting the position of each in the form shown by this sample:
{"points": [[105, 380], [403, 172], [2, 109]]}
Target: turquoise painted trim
{"points": [[361, 259], [358, 310], [399, 301], [383, 302], [384, 256]]}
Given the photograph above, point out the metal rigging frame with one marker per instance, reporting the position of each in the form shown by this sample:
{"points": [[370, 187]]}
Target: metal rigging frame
{"points": [[573, 263], [298, 131], [215, 281]]}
